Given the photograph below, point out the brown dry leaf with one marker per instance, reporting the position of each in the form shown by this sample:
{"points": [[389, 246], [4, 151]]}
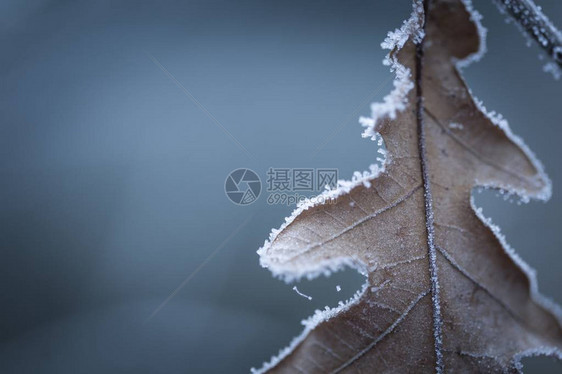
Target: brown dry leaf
{"points": [[444, 292]]}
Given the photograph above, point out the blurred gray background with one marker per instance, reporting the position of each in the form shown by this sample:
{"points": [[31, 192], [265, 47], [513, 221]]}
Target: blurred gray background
{"points": [[112, 190]]}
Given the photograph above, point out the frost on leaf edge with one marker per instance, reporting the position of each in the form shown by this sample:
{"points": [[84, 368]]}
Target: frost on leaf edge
{"points": [[393, 103], [395, 40], [498, 120]]}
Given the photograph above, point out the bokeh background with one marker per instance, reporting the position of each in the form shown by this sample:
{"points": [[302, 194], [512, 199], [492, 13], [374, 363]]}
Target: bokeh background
{"points": [[112, 193]]}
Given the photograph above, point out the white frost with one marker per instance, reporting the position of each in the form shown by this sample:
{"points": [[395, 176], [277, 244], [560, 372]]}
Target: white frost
{"points": [[393, 103], [525, 268], [498, 120], [301, 294], [309, 324], [396, 101], [553, 68], [533, 21], [542, 351], [327, 267], [475, 17]]}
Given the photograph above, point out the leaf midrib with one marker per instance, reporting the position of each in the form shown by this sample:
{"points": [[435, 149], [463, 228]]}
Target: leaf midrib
{"points": [[428, 199]]}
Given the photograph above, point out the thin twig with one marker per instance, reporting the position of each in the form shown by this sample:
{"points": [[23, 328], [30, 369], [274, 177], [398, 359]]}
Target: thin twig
{"points": [[533, 21]]}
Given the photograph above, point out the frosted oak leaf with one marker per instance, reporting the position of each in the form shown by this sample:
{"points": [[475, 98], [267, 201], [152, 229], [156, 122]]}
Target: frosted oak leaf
{"points": [[444, 292]]}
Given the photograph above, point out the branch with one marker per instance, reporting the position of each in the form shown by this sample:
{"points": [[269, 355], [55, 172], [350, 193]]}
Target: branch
{"points": [[533, 21]]}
